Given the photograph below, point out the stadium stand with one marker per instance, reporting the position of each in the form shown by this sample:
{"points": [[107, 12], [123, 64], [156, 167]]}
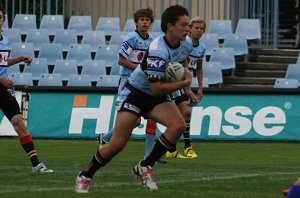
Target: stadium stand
{"points": [[37, 37], [80, 24], [13, 69], [50, 80], [225, 56], [22, 79], [213, 72], [129, 25], [24, 22], [109, 53], [155, 34], [108, 25], [115, 69], [237, 42], [79, 80], [38, 66], [52, 23], [5, 24], [21, 49], [194, 84], [298, 59], [293, 72], [156, 26], [286, 83], [220, 27], [79, 52], [117, 38]]}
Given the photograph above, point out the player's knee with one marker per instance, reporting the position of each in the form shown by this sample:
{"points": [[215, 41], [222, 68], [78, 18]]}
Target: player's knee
{"points": [[179, 126], [18, 124], [186, 114]]}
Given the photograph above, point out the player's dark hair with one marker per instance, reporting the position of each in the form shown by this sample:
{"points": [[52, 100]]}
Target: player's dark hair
{"points": [[147, 12], [3, 11], [171, 15]]}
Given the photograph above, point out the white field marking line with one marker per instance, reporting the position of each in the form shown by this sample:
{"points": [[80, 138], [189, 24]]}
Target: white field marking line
{"points": [[117, 184]]}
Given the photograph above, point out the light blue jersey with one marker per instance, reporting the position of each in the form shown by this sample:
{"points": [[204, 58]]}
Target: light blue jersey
{"points": [[3, 46], [197, 53], [133, 49], [159, 54]]}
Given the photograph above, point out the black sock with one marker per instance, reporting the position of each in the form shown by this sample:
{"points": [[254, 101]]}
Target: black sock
{"points": [[186, 135], [28, 146], [161, 146], [96, 163]]}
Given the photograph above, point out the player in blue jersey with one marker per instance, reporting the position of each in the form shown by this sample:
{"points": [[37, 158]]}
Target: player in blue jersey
{"points": [[294, 191], [133, 49], [197, 28], [146, 94], [8, 103]]}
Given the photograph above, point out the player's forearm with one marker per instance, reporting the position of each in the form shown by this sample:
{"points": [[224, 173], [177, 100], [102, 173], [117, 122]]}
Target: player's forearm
{"points": [[126, 63], [14, 60], [199, 74], [165, 88]]}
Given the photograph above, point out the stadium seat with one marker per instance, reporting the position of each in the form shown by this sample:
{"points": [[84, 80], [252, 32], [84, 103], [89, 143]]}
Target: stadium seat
{"points": [[210, 41], [108, 81], [66, 38], [108, 25], [21, 49], [13, 69], [52, 23], [117, 38], [109, 53], [37, 67], [212, 71], [225, 56], [237, 42], [94, 39], [79, 52], [293, 72], [115, 69], [22, 78], [94, 68], [37, 37], [50, 80], [80, 24], [51, 51], [286, 83], [220, 27], [79, 80], [65, 68], [194, 83], [13, 35], [250, 28], [156, 26], [129, 25], [24, 22]]}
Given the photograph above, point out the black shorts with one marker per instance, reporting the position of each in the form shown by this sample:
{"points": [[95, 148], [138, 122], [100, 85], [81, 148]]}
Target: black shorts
{"points": [[8, 103], [133, 100], [179, 96]]}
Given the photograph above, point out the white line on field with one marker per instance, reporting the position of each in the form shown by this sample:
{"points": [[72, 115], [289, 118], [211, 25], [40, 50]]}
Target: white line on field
{"points": [[116, 184]]}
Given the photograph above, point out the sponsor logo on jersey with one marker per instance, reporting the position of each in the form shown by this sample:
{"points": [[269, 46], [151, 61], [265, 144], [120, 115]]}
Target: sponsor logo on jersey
{"points": [[156, 64]]}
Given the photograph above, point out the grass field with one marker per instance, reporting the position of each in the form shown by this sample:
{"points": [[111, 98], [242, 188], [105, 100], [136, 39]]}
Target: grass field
{"points": [[222, 170]]}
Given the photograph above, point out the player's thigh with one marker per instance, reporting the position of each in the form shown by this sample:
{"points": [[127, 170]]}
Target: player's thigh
{"points": [[166, 114]]}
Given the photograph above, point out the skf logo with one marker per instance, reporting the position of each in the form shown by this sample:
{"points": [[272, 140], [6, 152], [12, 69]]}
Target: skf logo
{"points": [[81, 112]]}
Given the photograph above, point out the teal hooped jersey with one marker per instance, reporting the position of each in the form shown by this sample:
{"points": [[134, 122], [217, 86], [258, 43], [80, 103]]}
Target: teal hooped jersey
{"points": [[197, 53], [3, 46], [159, 54], [133, 49]]}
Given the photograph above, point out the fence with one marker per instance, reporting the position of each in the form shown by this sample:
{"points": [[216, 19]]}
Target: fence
{"points": [[265, 10]]}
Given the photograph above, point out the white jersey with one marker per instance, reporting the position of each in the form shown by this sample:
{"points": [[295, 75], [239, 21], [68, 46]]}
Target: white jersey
{"points": [[159, 54], [133, 49], [197, 53], [3, 46]]}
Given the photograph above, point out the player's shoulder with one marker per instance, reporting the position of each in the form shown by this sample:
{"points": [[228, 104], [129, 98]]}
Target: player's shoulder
{"points": [[187, 43], [4, 40]]}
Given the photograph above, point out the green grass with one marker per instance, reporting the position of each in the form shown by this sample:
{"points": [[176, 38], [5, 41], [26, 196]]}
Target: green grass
{"points": [[222, 170]]}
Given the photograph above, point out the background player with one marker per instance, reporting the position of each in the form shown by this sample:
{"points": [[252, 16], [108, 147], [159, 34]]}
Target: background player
{"points": [[197, 28], [10, 106], [294, 191]]}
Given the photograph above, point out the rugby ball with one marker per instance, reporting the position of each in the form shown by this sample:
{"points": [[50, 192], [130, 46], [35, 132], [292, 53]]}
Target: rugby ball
{"points": [[174, 72]]}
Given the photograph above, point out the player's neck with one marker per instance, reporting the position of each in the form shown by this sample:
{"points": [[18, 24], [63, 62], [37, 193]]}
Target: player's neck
{"points": [[172, 41], [195, 41]]}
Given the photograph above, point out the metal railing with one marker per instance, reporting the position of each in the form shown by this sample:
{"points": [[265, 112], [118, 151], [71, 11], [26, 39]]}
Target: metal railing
{"points": [[265, 10]]}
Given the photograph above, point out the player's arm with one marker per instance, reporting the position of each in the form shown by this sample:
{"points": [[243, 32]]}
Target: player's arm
{"points": [[126, 63], [199, 72], [160, 87], [14, 60]]}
